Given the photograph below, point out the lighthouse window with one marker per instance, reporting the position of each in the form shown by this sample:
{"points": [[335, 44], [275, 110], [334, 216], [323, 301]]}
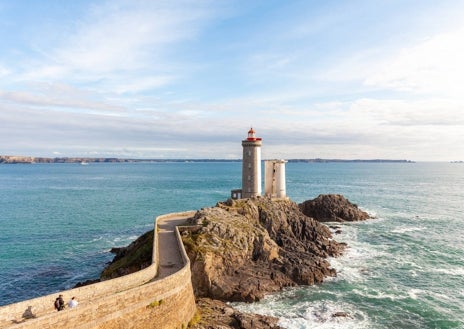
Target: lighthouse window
{"points": [[249, 153], [249, 165]]}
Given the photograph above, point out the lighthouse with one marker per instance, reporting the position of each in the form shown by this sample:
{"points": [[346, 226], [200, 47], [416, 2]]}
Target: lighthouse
{"points": [[251, 165], [274, 172]]}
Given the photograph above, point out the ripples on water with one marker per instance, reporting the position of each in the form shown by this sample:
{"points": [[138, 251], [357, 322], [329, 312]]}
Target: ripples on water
{"points": [[402, 270]]}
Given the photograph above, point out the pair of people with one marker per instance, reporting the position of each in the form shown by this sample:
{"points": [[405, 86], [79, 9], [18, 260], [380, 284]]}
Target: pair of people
{"points": [[59, 303]]}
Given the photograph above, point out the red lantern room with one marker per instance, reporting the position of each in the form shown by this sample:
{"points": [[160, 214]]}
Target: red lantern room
{"points": [[252, 135]]}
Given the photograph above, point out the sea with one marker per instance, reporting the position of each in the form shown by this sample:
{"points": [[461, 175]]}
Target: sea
{"points": [[402, 269]]}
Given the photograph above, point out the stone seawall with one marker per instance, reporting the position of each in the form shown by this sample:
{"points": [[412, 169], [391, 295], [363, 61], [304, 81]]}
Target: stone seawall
{"points": [[137, 300]]}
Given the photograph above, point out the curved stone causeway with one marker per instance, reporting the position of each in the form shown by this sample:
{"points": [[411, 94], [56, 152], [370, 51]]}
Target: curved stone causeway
{"points": [[159, 296]]}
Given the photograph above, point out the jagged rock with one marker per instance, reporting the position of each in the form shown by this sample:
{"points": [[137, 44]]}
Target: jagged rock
{"points": [[218, 315], [332, 208], [244, 249]]}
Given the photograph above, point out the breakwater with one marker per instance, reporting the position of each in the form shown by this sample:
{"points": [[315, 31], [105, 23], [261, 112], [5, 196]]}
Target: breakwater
{"points": [[142, 299]]}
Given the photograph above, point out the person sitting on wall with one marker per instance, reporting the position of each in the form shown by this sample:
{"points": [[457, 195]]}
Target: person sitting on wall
{"points": [[59, 303], [73, 302]]}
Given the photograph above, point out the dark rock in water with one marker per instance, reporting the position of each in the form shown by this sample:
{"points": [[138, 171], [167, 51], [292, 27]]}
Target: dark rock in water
{"points": [[332, 208], [86, 283], [118, 250], [243, 249], [340, 315]]}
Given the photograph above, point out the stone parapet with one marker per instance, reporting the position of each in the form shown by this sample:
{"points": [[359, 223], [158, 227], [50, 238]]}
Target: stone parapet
{"points": [[137, 300]]}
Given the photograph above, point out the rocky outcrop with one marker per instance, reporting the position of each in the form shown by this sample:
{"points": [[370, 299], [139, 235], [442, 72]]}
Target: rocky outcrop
{"points": [[332, 208], [216, 314], [243, 249]]}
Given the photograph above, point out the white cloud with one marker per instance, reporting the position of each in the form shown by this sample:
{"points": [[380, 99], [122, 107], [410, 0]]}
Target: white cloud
{"points": [[432, 66], [60, 97], [401, 112], [121, 43], [139, 84], [4, 71]]}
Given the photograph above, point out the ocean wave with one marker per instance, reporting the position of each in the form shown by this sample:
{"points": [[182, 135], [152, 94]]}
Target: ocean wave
{"points": [[450, 271], [124, 239], [383, 294], [99, 238], [407, 229], [294, 311], [326, 314], [413, 293], [358, 262], [370, 212]]}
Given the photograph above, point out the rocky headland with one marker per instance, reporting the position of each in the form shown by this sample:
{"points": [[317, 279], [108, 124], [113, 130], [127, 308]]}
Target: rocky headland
{"points": [[241, 250]]}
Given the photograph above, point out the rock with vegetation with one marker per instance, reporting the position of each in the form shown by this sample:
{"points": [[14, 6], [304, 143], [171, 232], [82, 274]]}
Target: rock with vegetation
{"points": [[332, 208], [244, 249], [130, 259]]}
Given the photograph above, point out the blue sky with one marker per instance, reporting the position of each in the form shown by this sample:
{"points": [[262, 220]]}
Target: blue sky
{"points": [[187, 79]]}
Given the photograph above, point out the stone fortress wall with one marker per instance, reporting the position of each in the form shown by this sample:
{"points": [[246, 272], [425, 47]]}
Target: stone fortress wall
{"points": [[137, 300]]}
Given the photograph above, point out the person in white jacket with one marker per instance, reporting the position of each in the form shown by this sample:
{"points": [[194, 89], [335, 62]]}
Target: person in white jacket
{"points": [[73, 302]]}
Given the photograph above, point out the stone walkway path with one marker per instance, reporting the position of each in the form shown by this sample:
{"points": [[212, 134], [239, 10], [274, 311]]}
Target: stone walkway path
{"points": [[170, 259]]}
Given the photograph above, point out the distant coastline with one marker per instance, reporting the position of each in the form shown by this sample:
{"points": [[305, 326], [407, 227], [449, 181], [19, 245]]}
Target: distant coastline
{"points": [[352, 160], [9, 159]]}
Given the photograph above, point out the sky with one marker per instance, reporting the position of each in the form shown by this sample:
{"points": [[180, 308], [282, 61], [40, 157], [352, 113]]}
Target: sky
{"points": [[172, 79]]}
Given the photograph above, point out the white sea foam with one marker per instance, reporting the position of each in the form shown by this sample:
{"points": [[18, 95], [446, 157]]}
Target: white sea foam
{"points": [[325, 314], [373, 293], [347, 272], [413, 273], [357, 262], [459, 271], [307, 314], [413, 293], [370, 212], [406, 229]]}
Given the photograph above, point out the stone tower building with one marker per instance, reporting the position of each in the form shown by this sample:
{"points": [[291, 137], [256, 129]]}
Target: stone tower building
{"points": [[274, 178], [251, 166]]}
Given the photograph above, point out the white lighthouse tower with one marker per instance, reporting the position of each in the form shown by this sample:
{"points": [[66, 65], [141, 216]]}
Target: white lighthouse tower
{"points": [[251, 166]]}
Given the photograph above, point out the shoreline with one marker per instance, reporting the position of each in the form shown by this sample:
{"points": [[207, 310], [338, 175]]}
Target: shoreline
{"points": [[12, 159]]}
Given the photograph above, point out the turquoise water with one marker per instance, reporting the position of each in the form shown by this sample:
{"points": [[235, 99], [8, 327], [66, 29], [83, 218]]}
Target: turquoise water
{"points": [[404, 269]]}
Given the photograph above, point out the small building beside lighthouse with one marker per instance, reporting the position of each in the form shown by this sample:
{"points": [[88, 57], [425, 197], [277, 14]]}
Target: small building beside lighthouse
{"points": [[274, 172], [274, 178]]}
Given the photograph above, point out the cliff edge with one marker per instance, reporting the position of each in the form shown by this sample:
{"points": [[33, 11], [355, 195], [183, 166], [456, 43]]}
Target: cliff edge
{"points": [[244, 249]]}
